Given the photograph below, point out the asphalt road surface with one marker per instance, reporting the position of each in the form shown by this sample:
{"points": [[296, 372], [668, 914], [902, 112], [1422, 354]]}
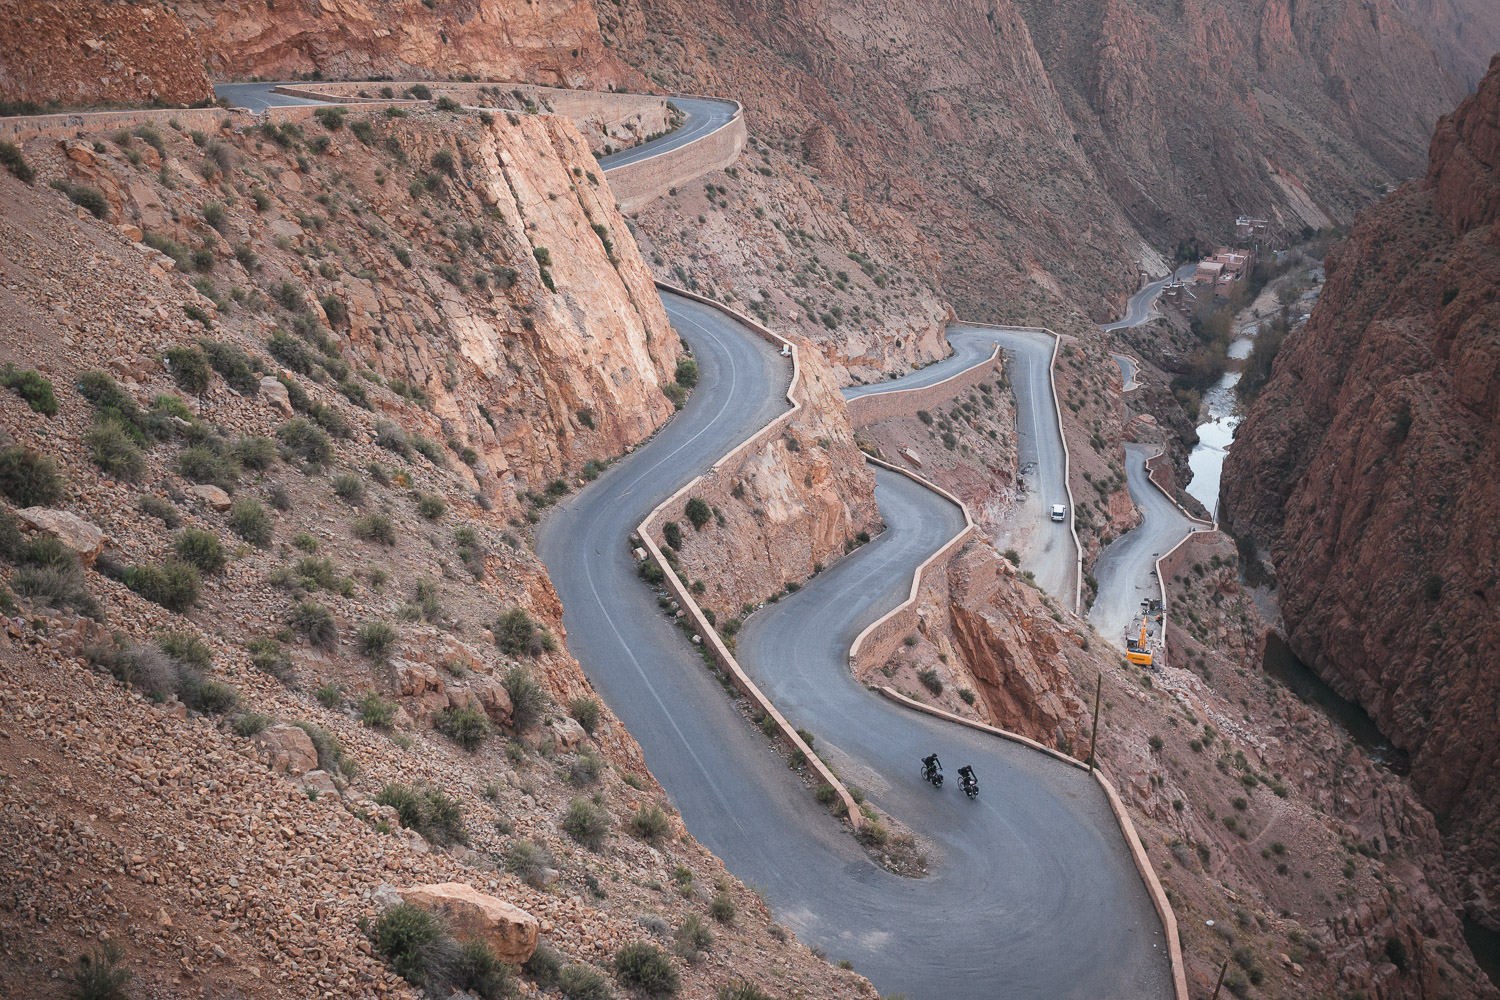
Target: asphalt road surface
{"points": [[257, 96], [1045, 546], [1126, 569], [701, 115], [1032, 894]]}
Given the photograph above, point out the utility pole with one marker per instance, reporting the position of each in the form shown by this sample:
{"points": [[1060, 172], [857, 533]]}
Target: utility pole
{"points": [[1222, 969], [1094, 739]]}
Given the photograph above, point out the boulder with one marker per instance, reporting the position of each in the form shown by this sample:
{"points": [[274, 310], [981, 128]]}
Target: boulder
{"points": [[80, 537], [288, 749], [567, 732], [276, 396], [509, 930], [495, 700], [210, 496]]}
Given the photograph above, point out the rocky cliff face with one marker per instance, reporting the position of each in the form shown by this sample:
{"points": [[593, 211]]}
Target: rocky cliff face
{"points": [[1368, 468], [80, 54], [245, 336], [781, 512], [540, 41], [1031, 142]]}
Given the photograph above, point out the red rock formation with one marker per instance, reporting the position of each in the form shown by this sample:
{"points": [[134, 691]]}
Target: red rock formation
{"points": [[79, 54], [1030, 141], [1371, 465], [539, 41]]}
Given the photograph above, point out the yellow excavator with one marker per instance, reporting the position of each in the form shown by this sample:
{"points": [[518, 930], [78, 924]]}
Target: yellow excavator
{"points": [[1137, 650]]}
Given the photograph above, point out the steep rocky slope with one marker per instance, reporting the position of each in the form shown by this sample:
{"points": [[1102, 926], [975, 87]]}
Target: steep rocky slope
{"points": [[540, 41], [290, 650], [79, 54], [1367, 468], [1031, 143]]}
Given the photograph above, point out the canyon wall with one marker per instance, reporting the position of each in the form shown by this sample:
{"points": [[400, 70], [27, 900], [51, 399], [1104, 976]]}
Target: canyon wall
{"points": [[79, 54], [1368, 469], [1032, 144], [553, 42]]}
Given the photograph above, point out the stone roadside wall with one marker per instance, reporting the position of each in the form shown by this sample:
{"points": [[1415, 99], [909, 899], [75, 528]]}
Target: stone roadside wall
{"points": [[878, 406], [638, 184], [875, 645], [74, 126], [707, 634]]}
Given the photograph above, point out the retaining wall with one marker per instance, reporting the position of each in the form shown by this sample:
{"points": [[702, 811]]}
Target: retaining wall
{"points": [[639, 183], [1174, 559], [706, 632], [73, 126], [877, 406], [876, 644]]}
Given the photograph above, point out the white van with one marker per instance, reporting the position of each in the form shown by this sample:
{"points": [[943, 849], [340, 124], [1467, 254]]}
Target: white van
{"points": [[1059, 512]]}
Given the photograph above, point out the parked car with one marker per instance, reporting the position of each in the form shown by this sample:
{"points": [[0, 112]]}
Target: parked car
{"points": [[1059, 512]]}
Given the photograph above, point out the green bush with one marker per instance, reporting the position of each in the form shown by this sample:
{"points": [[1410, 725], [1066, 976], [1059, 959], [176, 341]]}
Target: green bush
{"points": [[436, 816], [410, 939], [112, 449], [251, 521], [201, 549], [931, 681], [375, 640], [204, 464], [586, 823], [29, 479], [586, 712], [206, 696], [693, 936], [255, 452], [722, 908], [316, 624], [96, 974], [186, 648], [645, 967], [173, 585], [649, 823], [430, 506], [269, 656], [88, 198], [527, 699], [251, 724], [478, 970], [468, 727], [580, 982], [687, 372], [374, 528], [190, 368], [740, 989], [517, 635], [233, 364], [14, 160], [55, 580], [305, 441], [672, 532], [329, 696], [348, 487], [529, 863], [392, 438], [698, 512], [32, 387], [376, 712]]}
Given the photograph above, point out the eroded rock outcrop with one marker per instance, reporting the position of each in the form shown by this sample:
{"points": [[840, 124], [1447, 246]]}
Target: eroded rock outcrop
{"points": [[78, 54], [1369, 467]]}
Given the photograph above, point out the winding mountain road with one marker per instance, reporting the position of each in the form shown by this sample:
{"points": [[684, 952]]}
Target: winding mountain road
{"points": [[1046, 547], [1126, 569], [1033, 892]]}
